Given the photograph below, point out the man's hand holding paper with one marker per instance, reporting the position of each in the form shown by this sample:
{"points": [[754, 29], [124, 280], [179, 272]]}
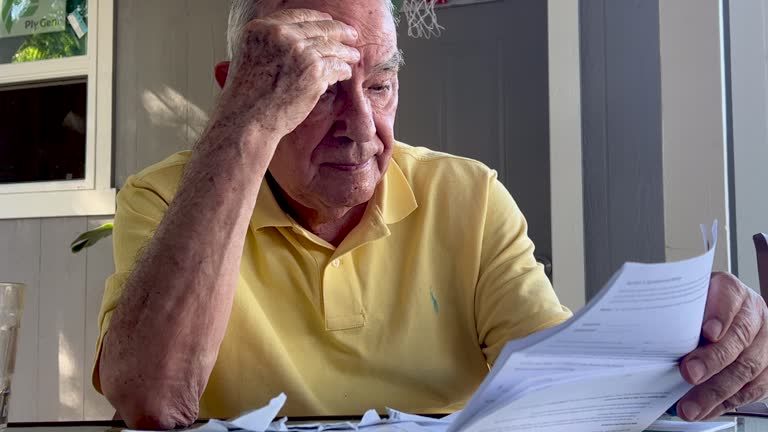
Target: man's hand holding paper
{"points": [[729, 369]]}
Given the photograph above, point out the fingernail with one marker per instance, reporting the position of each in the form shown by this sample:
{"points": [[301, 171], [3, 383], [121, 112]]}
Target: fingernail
{"points": [[696, 370], [712, 329], [691, 410]]}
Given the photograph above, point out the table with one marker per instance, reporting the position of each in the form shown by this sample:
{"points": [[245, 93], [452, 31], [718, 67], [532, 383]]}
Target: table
{"points": [[745, 424]]}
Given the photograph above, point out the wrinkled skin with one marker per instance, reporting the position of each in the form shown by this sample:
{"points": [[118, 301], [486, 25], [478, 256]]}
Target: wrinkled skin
{"points": [[284, 62]]}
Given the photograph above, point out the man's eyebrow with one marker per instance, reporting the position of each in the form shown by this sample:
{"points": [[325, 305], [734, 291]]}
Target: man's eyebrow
{"points": [[393, 64]]}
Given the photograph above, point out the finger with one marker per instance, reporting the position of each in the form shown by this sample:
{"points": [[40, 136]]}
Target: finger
{"points": [[335, 30], [722, 387], [291, 16], [726, 294], [336, 70], [752, 392], [708, 360], [329, 48]]}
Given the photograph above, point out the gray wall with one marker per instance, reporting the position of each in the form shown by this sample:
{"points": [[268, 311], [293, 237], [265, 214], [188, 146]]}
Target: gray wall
{"points": [[622, 138], [481, 91]]}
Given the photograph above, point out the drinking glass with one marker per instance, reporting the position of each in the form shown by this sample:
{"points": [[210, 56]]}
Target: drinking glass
{"points": [[11, 305]]}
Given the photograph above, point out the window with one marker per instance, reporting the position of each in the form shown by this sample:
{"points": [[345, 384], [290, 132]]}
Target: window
{"points": [[56, 108], [33, 30], [46, 141]]}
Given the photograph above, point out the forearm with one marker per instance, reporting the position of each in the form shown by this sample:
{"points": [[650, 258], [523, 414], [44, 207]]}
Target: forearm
{"points": [[164, 336]]}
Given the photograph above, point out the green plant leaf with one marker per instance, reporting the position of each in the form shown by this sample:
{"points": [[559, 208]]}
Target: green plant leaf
{"points": [[7, 5], [49, 46], [89, 238], [30, 9], [5, 14]]}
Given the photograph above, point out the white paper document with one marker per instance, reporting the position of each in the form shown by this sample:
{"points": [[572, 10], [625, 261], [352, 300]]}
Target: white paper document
{"points": [[612, 368]]}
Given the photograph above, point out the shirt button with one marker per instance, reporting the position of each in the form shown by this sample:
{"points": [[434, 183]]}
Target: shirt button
{"points": [[336, 263]]}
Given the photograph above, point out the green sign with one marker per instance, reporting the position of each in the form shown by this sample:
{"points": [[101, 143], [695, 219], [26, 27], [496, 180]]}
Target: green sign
{"points": [[26, 17]]}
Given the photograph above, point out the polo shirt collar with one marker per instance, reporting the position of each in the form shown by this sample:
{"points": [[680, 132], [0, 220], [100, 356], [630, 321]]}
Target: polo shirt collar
{"points": [[393, 200], [267, 212]]}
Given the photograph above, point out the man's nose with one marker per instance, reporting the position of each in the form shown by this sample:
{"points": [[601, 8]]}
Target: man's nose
{"points": [[355, 118]]}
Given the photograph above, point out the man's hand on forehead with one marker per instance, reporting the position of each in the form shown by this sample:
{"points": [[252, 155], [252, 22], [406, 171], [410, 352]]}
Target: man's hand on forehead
{"points": [[284, 62], [299, 15], [315, 24]]}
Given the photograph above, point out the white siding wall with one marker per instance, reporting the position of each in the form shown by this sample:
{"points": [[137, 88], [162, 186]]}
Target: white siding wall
{"points": [[57, 339], [165, 54]]}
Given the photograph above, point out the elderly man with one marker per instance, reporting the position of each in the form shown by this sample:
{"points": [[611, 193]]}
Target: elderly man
{"points": [[300, 248]]}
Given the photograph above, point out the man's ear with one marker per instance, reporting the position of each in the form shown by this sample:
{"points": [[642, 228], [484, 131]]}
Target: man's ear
{"points": [[220, 72]]}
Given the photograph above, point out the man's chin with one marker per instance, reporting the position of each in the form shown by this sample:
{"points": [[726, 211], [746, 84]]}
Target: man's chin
{"points": [[350, 201], [345, 197], [348, 189]]}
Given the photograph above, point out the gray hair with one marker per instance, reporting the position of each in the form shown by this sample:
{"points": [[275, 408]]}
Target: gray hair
{"points": [[241, 13], [244, 11]]}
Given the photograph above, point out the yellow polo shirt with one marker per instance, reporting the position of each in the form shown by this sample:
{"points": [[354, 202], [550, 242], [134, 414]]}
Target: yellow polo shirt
{"points": [[407, 312]]}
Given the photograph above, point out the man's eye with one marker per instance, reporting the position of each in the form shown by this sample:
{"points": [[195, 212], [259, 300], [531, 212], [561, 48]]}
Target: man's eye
{"points": [[380, 88], [331, 90]]}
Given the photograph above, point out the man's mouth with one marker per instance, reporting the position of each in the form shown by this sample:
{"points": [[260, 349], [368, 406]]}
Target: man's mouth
{"points": [[348, 166]]}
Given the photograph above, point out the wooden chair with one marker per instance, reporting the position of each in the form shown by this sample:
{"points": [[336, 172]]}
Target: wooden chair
{"points": [[761, 250]]}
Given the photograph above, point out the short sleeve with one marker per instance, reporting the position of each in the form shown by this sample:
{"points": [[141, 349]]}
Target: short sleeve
{"points": [[514, 297], [140, 209]]}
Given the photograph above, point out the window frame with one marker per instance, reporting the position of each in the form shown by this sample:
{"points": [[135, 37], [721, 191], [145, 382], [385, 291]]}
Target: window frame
{"points": [[565, 152], [93, 195]]}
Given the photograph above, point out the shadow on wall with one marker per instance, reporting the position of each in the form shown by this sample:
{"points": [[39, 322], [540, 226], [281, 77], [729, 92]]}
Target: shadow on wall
{"points": [[70, 382], [165, 108], [169, 108]]}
